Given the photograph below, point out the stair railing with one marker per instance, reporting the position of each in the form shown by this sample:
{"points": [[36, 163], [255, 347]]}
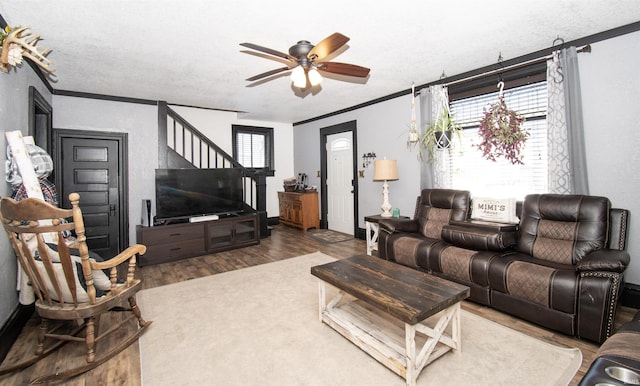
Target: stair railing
{"points": [[180, 143]]}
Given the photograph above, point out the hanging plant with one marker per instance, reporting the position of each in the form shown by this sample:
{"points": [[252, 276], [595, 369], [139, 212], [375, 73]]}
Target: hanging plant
{"points": [[414, 136], [439, 135], [502, 133]]}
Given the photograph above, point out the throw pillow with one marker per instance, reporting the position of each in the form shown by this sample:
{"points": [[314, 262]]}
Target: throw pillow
{"points": [[100, 278], [501, 210]]}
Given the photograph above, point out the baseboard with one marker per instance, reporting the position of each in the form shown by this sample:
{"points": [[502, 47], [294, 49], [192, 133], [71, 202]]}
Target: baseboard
{"points": [[271, 221], [630, 295], [11, 329]]}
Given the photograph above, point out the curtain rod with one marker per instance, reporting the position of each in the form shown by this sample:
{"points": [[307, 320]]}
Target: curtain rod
{"points": [[586, 48]]}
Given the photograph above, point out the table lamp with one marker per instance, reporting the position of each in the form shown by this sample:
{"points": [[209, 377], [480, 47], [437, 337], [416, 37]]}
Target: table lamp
{"points": [[385, 170]]}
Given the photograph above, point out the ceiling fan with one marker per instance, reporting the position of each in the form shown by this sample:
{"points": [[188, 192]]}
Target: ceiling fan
{"points": [[305, 60]]}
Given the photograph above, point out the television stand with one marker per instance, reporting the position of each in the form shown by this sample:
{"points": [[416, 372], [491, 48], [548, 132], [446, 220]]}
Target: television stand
{"points": [[180, 241]]}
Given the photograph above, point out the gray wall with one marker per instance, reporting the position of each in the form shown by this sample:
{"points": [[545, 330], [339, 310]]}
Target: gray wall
{"points": [[382, 129], [139, 121], [611, 93], [14, 115]]}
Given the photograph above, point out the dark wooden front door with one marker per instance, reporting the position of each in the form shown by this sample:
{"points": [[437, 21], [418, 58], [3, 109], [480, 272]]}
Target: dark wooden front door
{"points": [[93, 166]]}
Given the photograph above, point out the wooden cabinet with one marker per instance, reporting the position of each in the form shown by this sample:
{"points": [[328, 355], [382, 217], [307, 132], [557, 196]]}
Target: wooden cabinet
{"points": [[223, 235], [179, 241], [299, 209]]}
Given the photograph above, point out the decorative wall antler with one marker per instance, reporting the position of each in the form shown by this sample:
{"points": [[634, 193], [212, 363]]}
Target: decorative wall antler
{"points": [[19, 43]]}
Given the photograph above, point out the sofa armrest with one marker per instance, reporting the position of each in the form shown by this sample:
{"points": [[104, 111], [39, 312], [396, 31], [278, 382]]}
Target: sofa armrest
{"points": [[480, 235], [604, 260], [396, 225]]}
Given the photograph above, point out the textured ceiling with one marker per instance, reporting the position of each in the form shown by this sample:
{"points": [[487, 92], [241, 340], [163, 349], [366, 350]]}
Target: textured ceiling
{"points": [[187, 51]]}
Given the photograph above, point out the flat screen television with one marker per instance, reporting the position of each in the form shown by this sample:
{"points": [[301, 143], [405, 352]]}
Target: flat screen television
{"points": [[185, 193]]}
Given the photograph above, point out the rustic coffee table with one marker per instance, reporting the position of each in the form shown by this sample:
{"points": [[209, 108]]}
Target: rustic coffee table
{"points": [[405, 296]]}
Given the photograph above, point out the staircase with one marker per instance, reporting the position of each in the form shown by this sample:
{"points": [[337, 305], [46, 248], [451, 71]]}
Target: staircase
{"points": [[180, 145]]}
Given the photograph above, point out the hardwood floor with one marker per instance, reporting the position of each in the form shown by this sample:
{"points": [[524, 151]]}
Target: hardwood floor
{"points": [[284, 243]]}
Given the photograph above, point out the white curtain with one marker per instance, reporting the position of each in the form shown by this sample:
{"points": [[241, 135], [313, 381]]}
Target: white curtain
{"points": [[433, 173], [566, 150]]}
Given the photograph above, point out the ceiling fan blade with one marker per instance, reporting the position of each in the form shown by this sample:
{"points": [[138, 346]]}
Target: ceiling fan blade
{"points": [[344, 69], [327, 46], [268, 73], [269, 51]]}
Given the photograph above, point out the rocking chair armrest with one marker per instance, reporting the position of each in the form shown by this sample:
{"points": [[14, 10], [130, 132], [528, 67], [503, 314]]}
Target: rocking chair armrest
{"points": [[136, 249]]}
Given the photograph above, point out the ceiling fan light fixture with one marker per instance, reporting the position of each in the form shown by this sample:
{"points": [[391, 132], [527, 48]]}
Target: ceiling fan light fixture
{"points": [[314, 77], [305, 61], [298, 77]]}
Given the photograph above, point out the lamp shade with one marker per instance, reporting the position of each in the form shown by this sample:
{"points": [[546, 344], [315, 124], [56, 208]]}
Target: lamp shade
{"points": [[314, 77], [299, 77], [385, 169]]}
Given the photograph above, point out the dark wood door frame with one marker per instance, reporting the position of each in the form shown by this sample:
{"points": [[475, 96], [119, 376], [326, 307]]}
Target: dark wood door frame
{"points": [[123, 171], [40, 119], [324, 206]]}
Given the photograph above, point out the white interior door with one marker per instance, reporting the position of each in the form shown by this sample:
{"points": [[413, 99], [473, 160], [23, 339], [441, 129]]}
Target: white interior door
{"points": [[339, 182]]}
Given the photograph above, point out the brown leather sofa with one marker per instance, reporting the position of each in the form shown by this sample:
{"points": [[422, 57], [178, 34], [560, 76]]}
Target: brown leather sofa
{"points": [[617, 361], [561, 267]]}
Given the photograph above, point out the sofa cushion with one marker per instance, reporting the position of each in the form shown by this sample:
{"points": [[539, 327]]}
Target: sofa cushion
{"points": [[529, 281], [555, 241], [563, 228], [467, 266], [437, 207], [456, 262], [406, 248], [431, 221], [623, 344], [545, 283], [619, 350]]}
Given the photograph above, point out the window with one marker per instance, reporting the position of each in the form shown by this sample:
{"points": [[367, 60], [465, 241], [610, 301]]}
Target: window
{"points": [[253, 147], [468, 170]]}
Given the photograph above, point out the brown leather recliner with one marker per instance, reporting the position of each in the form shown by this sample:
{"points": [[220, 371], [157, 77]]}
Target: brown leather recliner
{"points": [[617, 361], [400, 240], [563, 275], [562, 269]]}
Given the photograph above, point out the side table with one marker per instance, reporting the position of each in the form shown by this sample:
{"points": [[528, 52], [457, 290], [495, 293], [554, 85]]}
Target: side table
{"points": [[372, 228]]}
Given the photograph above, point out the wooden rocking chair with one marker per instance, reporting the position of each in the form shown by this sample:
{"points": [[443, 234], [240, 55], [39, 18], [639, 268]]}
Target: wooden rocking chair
{"points": [[68, 283]]}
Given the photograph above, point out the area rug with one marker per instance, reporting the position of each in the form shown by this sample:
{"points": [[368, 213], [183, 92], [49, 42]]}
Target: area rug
{"points": [[329, 236], [260, 326]]}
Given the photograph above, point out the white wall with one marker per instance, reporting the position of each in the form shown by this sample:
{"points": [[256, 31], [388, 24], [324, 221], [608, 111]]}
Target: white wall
{"points": [[14, 115], [611, 95], [610, 86]]}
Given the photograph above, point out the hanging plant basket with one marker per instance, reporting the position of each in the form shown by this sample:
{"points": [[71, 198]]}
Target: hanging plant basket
{"points": [[502, 133], [443, 139], [439, 135]]}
